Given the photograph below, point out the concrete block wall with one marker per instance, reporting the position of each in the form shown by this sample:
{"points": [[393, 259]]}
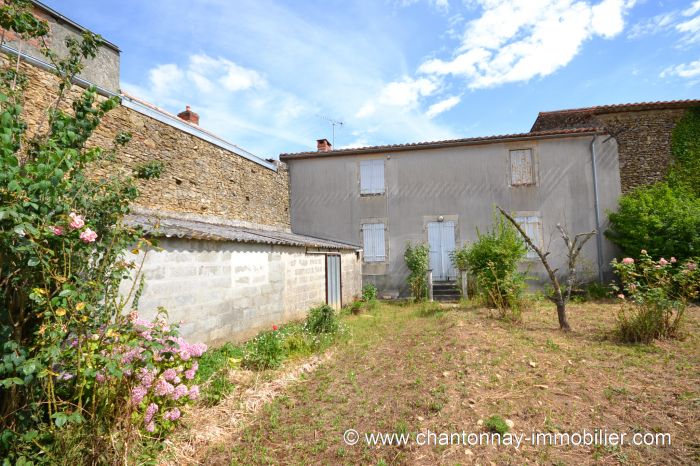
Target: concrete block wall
{"points": [[226, 291]]}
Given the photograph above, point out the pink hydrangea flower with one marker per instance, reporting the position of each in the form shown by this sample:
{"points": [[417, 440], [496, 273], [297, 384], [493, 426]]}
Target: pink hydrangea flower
{"points": [[88, 236], [172, 415], [58, 231], [194, 392], [673, 260], [138, 393], [100, 377], [150, 412], [151, 426], [628, 260], [76, 221], [164, 388], [190, 373], [663, 261], [169, 374], [621, 296], [179, 392], [692, 266]]}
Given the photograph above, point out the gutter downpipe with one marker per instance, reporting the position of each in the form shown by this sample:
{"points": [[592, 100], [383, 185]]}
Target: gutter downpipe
{"points": [[596, 207]]}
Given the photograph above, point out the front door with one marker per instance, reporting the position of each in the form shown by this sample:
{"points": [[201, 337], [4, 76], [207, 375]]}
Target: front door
{"points": [[441, 239], [333, 284]]}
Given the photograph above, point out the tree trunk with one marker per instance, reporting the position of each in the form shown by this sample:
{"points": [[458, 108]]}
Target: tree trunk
{"points": [[561, 314]]}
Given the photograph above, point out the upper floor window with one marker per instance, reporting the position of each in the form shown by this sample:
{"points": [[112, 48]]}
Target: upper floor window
{"points": [[522, 167], [373, 242], [532, 225], [372, 176]]}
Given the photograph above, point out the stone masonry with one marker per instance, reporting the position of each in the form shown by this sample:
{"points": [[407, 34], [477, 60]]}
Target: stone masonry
{"points": [[198, 176]]}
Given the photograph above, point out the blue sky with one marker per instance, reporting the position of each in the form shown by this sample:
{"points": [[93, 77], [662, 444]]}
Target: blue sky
{"points": [[264, 74]]}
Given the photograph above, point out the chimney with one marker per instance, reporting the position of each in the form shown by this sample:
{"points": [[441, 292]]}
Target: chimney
{"points": [[189, 116], [322, 145]]}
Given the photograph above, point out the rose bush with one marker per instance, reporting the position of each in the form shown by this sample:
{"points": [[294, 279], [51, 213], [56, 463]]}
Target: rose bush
{"points": [[654, 294]]}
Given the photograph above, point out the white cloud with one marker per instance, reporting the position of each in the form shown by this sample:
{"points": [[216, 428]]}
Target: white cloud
{"points": [[165, 78], [516, 40], [228, 74], [653, 25], [403, 94], [685, 70], [442, 106]]}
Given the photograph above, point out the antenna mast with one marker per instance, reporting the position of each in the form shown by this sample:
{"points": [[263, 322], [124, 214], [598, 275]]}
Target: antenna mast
{"points": [[333, 123]]}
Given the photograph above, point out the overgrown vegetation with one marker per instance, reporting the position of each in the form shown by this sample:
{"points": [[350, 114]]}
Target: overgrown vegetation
{"points": [[417, 259], [266, 351], [493, 260], [664, 218], [81, 380], [655, 295]]}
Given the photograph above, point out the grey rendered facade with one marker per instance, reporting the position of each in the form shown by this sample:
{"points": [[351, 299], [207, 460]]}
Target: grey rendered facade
{"points": [[457, 182]]}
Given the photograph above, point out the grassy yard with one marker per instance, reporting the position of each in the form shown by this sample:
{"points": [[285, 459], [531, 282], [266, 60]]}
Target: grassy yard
{"points": [[405, 370]]}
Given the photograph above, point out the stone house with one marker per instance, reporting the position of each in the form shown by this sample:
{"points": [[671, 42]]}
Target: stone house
{"points": [[228, 264], [569, 169]]}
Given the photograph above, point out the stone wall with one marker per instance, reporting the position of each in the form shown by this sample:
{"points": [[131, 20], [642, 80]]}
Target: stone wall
{"points": [[198, 176], [103, 70], [226, 291], [644, 144]]}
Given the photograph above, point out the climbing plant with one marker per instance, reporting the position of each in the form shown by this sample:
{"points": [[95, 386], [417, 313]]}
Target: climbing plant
{"points": [[685, 148]]}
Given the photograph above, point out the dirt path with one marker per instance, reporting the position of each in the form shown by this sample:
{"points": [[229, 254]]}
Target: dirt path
{"points": [[402, 372]]}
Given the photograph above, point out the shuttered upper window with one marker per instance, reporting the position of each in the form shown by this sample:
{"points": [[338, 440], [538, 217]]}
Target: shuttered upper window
{"points": [[372, 176], [373, 242], [522, 167], [533, 229]]}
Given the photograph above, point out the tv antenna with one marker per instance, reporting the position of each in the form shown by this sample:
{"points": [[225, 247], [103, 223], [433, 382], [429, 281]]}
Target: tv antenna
{"points": [[333, 123]]}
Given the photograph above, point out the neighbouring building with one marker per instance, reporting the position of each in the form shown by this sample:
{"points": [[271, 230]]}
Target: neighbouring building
{"points": [[228, 264], [642, 130]]}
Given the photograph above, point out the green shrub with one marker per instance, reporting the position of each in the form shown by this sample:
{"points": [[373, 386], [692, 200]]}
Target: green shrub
{"points": [[493, 259], [369, 292], [266, 351], [418, 262], [663, 220], [322, 319], [496, 424], [654, 296]]}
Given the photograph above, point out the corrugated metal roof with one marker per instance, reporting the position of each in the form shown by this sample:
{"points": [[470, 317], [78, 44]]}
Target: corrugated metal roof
{"points": [[445, 143], [169, 227]]}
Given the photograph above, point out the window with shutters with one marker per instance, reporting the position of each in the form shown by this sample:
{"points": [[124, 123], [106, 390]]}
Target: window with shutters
{"points": [[373, 242], [372, 177], [522, 167], [532, 225]]}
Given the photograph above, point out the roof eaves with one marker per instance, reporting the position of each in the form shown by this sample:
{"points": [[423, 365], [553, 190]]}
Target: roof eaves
{"points": [[547, 134]]}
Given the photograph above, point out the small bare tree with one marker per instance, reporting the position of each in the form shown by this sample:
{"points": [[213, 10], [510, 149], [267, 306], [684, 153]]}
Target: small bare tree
{"points": [[561, 296]]}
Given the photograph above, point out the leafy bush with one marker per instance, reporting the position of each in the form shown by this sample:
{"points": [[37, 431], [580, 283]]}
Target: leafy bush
{"points": [[418, 262], [322, 319], [460, 258], [663, 220], [74, 368], [655, 295], [266, 351], [493, 259], [369, 293]]}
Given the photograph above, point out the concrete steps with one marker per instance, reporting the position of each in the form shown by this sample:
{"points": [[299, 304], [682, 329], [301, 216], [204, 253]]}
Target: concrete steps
{"points": [[446, 291]]}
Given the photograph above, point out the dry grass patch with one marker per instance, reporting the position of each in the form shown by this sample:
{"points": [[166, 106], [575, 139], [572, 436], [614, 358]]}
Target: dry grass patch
{"points": [[407, 370]]}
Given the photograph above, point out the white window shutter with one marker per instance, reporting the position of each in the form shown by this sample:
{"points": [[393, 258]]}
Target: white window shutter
{"points": [[521, 167], [373, 242], [372, 176]]}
